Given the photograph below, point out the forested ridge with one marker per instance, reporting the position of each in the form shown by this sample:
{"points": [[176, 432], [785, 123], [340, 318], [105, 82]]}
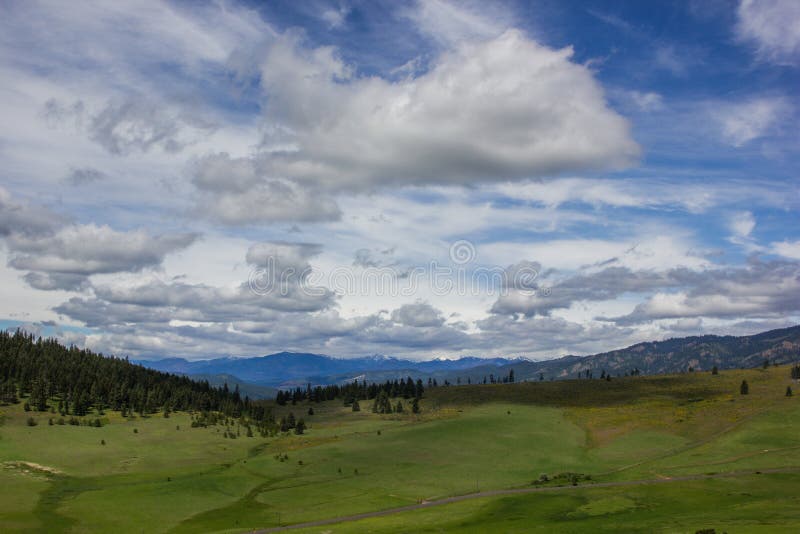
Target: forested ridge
{"points": [[78, 380]]}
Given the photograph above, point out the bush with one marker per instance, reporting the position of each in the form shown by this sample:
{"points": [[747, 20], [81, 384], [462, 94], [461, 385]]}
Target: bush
{"points": [[32, 421]]}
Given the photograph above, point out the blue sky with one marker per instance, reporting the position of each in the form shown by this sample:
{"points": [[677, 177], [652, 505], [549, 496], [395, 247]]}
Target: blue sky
{"points": [[238, 178]]}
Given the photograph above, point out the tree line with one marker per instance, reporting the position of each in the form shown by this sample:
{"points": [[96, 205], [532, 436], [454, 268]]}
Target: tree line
{"points": [[76, 381], [353, 391]]}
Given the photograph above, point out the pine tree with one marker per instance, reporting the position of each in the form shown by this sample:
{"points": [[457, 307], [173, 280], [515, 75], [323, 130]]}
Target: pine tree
{"points": [[356, 406], [788, 391], [415, 405], [399, 407], [744, 389]]}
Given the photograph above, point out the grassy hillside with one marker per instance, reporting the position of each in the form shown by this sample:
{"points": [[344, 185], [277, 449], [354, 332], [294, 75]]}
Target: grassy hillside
{"points": [[167, 476]]}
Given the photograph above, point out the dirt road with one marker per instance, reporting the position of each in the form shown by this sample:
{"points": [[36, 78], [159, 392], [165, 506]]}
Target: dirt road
{"points": [[516, 491]]}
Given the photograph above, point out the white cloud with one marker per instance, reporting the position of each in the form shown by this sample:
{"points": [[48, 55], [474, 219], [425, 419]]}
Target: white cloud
{"points": [[757, 290], [669, 59], [60, 254], [450, 23], [787, 249], [743, 122], [238, 191], [773, 26], [335, 17], [649, 101], [742, 224], [501, 109]]}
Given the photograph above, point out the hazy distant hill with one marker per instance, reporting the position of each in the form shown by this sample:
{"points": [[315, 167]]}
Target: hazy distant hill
{"points": [[286, 369], [289, 369], [676, 355], [254, 391]]}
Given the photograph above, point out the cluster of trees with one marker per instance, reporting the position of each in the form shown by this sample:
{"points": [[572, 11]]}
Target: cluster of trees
{"points": [[406, 388], [289, 422], [259, 419], [490, 379], [795, 372], [42, 370], [383, 404], [589, 374], [507, 379]]}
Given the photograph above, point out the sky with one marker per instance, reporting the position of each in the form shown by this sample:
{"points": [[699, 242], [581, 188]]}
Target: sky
{"points": [[424, 179]]}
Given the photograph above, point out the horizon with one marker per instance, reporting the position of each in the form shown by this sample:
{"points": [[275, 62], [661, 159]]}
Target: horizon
{"points": [[403, 178]]}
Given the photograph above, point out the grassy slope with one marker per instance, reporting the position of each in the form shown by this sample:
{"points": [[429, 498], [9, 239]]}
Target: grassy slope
{"points": [[753, 504], [194, 479]]}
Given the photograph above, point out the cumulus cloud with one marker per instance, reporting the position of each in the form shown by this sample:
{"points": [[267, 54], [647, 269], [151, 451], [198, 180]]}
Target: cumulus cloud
{"points": [[137, 124], [772, 26], [294, 255], [419, 314], [238, 191], [501, 109], [760, 290], [54, 281], [89, 249], [24, 219], [130, 124], [605, 284], [60, 254]]}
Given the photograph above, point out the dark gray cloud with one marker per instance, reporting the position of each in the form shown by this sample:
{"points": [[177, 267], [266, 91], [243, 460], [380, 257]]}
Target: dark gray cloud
{"points": [[53, 281], [131, 124], [84, 176], [241, 191], [419, 314], [758, 290], [60, 254], [23, 219], [137, 124]]}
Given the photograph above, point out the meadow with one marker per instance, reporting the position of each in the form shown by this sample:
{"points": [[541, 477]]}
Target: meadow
{"points": [[157, 474]]}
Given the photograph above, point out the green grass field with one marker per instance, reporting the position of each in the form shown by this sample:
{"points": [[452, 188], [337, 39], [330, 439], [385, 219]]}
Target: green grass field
{"points": [[169, 477]]}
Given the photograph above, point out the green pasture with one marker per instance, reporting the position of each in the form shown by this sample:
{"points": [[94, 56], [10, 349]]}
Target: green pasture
{"points": [[169, 477]]}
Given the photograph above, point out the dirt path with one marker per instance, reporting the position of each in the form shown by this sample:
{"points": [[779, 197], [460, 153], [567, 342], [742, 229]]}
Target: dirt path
{"points": [[518, 491]]}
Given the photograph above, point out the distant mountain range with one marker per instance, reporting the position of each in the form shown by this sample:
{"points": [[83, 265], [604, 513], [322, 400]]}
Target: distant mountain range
{"points": [[259, 377]]}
